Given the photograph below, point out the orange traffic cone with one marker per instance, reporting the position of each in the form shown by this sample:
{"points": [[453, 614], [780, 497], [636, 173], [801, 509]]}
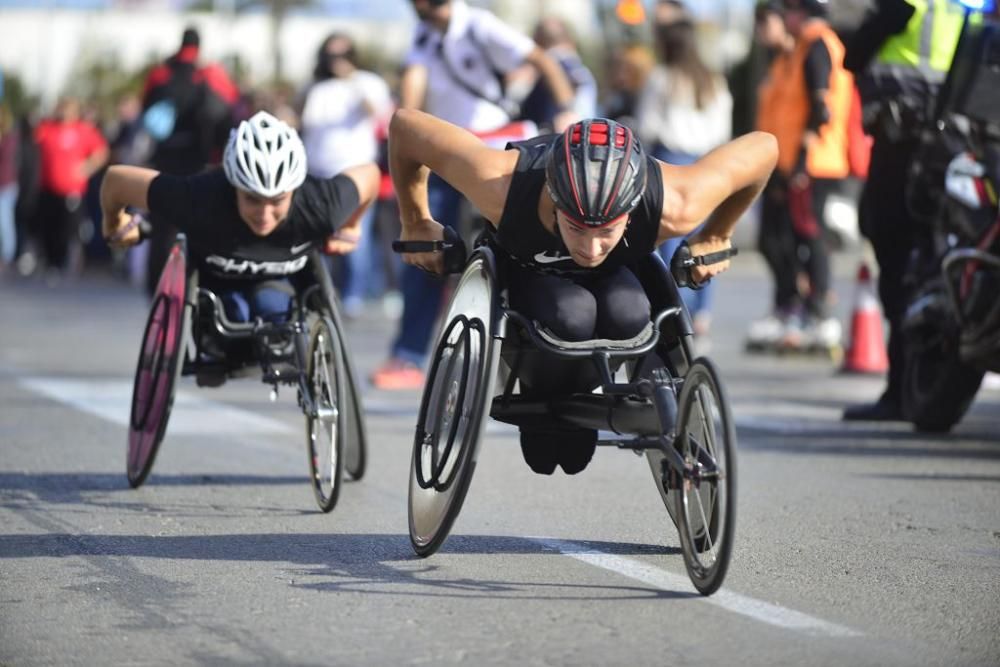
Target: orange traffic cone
{"points": [[867, 351]]}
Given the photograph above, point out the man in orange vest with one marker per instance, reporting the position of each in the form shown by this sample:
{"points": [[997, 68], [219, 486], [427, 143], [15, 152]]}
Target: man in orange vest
{"points": [[806, 104]]}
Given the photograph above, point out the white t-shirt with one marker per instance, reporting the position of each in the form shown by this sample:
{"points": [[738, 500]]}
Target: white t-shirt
{"points": [[338, 128], [476, 45], [667, 114]]}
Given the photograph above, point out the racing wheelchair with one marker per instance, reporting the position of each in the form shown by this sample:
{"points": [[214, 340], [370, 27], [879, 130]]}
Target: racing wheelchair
{"points": [[649, 393], [187, 333]]}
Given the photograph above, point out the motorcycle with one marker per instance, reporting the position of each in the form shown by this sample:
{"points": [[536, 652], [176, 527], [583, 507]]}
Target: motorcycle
{"points": [[951, 327]]}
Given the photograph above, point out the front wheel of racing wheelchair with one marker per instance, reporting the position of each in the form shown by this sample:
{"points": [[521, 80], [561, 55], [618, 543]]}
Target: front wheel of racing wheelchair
{"points": [[184, 318], [672, 407]]}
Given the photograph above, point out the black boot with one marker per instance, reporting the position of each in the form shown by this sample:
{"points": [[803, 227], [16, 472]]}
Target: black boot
{"points": [[885, 409]]}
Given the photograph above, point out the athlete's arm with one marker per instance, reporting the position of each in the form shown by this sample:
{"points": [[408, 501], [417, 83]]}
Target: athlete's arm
{"points": [[420, 143], [366, 179], [123, 186], [720, 187]]}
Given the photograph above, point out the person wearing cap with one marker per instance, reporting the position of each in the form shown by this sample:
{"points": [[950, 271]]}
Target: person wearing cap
{"points": [[456, 70], [901, 54], [571, 213]]}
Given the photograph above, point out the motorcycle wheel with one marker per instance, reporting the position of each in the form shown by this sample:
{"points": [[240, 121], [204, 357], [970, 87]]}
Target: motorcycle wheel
{"points": [[937, 387]]}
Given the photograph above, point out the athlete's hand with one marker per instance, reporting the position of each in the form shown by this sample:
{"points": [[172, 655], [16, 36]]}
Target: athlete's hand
{"points": [[120, 229], [425, 230], [343, 241], [705, 246]]}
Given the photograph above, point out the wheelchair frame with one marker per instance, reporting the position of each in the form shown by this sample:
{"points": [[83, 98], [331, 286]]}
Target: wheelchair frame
{"points": [[666, 392], [176, 332]]}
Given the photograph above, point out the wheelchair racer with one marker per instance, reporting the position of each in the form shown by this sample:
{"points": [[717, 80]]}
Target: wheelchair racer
{"points": [[573, 212], [251, 223]]}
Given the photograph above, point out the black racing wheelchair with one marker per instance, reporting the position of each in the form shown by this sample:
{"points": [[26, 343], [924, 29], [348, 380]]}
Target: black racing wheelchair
{"points": [[187, 333], [650, 393]]}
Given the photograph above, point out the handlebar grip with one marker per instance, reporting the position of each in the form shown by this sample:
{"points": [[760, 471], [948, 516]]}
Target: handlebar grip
{"points": [[453, 247], [683, 261]]}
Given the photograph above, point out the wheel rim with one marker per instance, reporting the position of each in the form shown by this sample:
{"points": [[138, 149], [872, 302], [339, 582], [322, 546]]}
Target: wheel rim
{"points": [[324, 432], [705, 441], [444, 445]]}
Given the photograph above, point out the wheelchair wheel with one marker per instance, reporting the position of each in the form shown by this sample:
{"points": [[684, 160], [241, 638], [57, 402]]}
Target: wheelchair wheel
{"points": [[452, 410], [159, 366], [356, 436], [355, 447], [705, 498], [325, 422]]}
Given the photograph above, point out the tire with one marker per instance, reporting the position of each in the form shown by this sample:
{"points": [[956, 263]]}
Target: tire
{"points": [[705, 499], [356, 439], [937, 388], [326, 421], [453, 408], [158, 368], [355, 449]]}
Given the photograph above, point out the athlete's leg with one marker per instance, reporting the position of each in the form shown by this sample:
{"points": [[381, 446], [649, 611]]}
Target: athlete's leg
{"points": [[271, 300], [622, 305], [560, 305]]}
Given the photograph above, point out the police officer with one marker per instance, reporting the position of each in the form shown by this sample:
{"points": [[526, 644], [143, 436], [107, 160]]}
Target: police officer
{"points": [[900, 54]]}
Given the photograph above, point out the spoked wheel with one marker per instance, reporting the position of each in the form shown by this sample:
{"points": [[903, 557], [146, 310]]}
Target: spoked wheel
{"points": [[705, 495], [326, 416], [159, 366], [452, 410]]}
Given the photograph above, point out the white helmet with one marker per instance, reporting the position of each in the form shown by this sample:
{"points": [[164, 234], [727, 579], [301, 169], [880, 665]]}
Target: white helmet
{"points": [[264, 156]]}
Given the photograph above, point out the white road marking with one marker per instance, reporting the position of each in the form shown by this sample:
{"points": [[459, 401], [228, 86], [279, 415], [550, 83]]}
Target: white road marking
{"points": [[191, 414], [758, 610]]}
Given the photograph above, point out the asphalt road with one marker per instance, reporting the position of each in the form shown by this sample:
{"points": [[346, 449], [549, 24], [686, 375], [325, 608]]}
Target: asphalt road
{"points": [[856, 544]]}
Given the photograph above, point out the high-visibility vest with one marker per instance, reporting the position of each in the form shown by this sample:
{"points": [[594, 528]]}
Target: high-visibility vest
{"points": [[783, 107], [927, 46]]}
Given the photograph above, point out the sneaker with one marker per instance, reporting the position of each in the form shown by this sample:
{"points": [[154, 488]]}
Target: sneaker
{"points": [[397, 374], [826, 332], [767, 331]]}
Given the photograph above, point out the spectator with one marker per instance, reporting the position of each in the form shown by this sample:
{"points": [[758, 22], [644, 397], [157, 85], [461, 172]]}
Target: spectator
{"points": [[684, 111], [341, 110], [811, 94], [539, 106], [775, 239], [628, 68], [71, 150], [188, 110], [455, 71], [9, 142]]}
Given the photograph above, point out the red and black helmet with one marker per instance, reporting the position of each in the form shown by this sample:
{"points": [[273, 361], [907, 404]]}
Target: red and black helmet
{"points": [[596, 172]]}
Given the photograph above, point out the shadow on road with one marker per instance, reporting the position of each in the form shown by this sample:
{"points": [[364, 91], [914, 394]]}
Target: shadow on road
{"points": [[349, 562]]}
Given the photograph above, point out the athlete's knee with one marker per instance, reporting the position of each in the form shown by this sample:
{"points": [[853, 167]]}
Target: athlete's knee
{"points": [[625, 314], [574, 316]]}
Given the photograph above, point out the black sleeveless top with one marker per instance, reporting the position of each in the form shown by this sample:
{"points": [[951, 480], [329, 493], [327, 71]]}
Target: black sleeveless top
{"points": [[523, 237]]}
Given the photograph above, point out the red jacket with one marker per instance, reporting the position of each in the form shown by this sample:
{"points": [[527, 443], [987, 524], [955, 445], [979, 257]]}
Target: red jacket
{"points": [[63, 149]]}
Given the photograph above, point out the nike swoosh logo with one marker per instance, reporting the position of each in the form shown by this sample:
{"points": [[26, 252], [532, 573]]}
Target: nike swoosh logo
{"points": [[296, 249], [545, 258]]}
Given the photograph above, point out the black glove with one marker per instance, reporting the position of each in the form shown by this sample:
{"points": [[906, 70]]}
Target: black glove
{"points": [[683, 261], [455, 253]]}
